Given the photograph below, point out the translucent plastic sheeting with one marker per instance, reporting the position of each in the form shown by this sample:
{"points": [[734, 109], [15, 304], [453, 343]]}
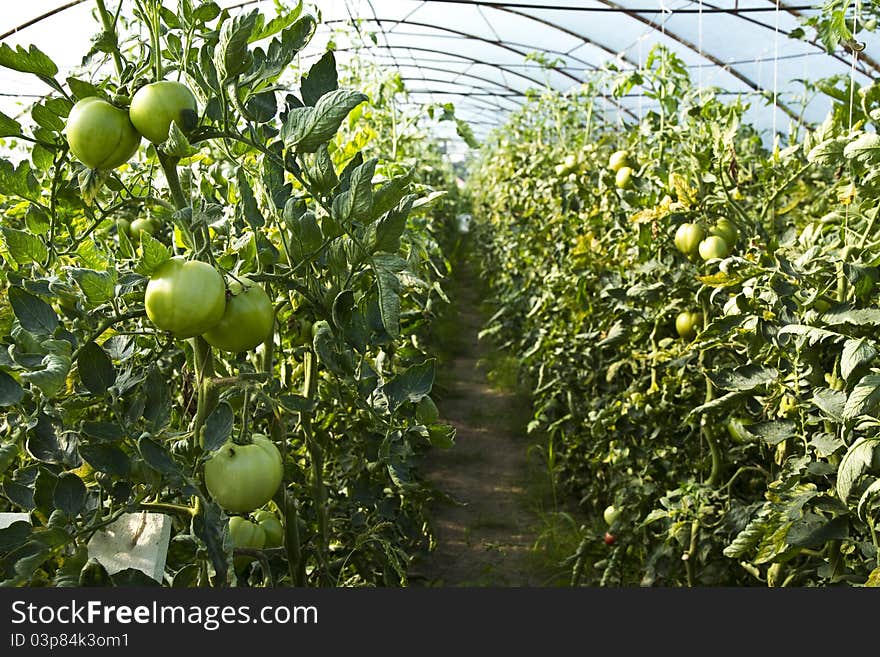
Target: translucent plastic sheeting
{"points": [[484, 56]]}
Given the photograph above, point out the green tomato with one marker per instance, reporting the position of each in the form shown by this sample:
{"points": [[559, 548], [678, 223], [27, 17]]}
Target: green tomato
{"points": [[241, 478], [570, 161], [688, 238], [100, 135], [245, 534], [725, 229], [618, 160], [123, 226], [141, 225], [271, 525], [186, 298], [623, 177], [687, 324], [156, 105], [610, 515], [247, 320], [714, 246]]}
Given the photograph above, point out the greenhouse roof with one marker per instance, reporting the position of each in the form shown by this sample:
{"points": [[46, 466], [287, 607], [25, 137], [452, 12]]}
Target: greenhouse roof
{"points": [[485, 56]]}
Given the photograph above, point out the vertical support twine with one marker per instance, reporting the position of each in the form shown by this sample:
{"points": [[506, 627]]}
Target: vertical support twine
{"points": [[852, 87], [775, 75], [641, 88], [700, 50]]}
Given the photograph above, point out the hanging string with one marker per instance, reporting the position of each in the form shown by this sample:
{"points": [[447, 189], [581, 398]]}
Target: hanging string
{"points": [[639, 44], [852, 70], [700, 47], [775, 73], [852, 86]]}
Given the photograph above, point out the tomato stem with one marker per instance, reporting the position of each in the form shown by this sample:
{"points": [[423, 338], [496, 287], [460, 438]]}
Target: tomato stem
{"points": [[110, 28], [208, 394]]}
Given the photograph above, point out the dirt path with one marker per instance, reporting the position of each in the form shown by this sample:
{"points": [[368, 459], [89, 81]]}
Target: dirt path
{"points": [[485, 536]]}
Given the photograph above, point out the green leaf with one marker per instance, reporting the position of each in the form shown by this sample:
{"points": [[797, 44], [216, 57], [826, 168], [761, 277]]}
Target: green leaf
{"points": [[855, 354], [324, 346], [51, 114], [55, 368], [9, 127], [263, 30], [83, 89], [106, 432], [153, 255], [321, 79], [856, 317], [34, 314], [864, 149], [853, 464], [323, 174], [410, 386], [464, 131], [99, 287], [17, 181], [248, 205], [745, 378], [32, 60], [830, 402], [95, 368], [828, 152], [811, 333], [218, 427], [211, 526], [231, 55], [814, 531], [306, 128], [864, 397], [24, 247], [14, 536], [392, 194], [390, 227], [388, 287], [106, 458], [442, 436], [774, 433], [158, 458], [356, 203], [871, 492], [70, 494], [8, 453], [10, 391]]}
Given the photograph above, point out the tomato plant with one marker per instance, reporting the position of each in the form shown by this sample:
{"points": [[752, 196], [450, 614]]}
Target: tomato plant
{"points": [[100, 135], [320, 200], [738, 458]]}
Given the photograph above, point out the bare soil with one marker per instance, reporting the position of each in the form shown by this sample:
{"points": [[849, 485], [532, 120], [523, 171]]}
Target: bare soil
{"points": [[484, 529]]}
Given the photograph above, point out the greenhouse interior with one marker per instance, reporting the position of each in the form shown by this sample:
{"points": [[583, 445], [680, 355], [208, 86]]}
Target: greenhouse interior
{"points": [[439, 293]]}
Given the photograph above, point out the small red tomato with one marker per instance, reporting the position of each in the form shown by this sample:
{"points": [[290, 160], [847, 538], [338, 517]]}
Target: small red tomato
{"points": [[610, 538]]}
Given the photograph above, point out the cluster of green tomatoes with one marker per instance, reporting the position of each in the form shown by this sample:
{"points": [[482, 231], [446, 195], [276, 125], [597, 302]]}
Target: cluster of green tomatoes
{"points": [[190, 298], [693, 241]]}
